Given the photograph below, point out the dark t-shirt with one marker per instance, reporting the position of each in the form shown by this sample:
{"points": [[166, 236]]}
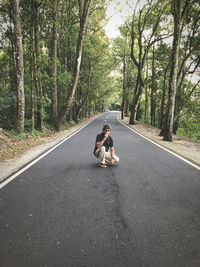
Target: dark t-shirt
{"points": [[108, 143]]}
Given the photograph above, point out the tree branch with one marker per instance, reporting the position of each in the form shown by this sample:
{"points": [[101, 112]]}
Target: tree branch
{"points": [[133, 40], [186, 100]]}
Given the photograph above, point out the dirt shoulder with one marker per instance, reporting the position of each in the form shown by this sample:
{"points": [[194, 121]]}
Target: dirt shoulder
{"points": [[29, 148], [186, 148], [17, 153]]}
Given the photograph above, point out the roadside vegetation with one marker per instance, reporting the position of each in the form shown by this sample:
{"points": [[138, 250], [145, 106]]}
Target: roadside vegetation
{"points": [[58, 66], [14, 144]]}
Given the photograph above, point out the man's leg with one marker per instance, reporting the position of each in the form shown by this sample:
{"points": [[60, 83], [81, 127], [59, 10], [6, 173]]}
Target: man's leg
{"points": [[100, 154], [108, 157]]}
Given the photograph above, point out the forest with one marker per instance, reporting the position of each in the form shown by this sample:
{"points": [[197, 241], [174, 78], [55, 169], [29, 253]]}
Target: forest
{"points": [[57, 64]]}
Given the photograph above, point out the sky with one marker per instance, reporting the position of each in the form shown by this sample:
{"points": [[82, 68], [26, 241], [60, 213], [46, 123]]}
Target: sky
{"points": [[117, 15], [117, 11]]}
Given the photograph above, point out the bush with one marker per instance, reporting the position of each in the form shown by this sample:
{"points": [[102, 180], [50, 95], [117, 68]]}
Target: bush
{"points": [[7, 110], [190, 128]]}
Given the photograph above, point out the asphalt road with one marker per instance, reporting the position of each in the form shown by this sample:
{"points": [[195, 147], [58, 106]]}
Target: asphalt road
{"points": [[66, 211]]}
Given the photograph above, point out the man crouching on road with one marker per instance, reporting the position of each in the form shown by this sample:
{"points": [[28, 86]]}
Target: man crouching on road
{"points": [[103, 142]]}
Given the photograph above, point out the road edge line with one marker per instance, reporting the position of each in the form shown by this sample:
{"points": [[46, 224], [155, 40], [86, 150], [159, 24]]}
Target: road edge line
{"points": [[166, 149], [32, 162]]}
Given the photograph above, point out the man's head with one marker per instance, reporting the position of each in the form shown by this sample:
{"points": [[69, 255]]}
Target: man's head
{"points": [[106, 128]]}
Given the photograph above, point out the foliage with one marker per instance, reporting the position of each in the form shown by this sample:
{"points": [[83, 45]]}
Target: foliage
{"points": [[7, 110], [190, 119], [102, 76]]}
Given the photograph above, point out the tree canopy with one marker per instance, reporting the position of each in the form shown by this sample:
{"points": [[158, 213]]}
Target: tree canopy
{"points": [[57, 64]]}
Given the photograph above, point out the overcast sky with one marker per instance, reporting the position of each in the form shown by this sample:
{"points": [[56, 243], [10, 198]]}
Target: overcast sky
{"points": [[117, 11], [117, 14]]}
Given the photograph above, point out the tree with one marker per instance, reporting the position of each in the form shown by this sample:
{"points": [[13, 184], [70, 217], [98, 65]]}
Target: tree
{"points": [[19, 68], [32, 61], [83, 15], [147, 94], [54, 61], [125, 89], [153, 90], [146, 20], [37, 72], [189, 60], [178, 11]]}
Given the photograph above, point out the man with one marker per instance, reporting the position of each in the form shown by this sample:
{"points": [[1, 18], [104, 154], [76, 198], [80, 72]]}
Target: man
{"points": [[104, 149]]}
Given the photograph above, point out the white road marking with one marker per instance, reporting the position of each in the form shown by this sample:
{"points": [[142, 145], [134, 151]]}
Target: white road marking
{"points": [[173, 153], [8, 180], [12, 177]]}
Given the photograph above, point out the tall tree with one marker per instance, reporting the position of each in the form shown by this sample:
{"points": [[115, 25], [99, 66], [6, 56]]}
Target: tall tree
{"points": [[153, 90], [19, 68], [176, 11], [54, 61], [147, 93], [84, 8], [124, 97], [125, 89], [32, 56], [37, 72], [164, 89], [189, 59], [141, 22]]}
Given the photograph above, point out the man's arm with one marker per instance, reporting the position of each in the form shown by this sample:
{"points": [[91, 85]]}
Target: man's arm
{"points": [[112, 152], [100, 143]]}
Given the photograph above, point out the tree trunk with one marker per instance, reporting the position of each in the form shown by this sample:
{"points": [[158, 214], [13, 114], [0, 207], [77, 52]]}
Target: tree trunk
{"points": [[127, 104], [37, 79], [176, 125], [138, 114], [122, 108], [69, 58], [178, 98], [79, 108], [146, 95], [136, 96], [83, 101], [174, 69], [54, 62], [138, 35], [12, 60], [153, 91], [125, 94], [32, 45], [139, 64], [177, 109], [124, 98], [19, 68], [163, 100], [62, 51], [84, 12]]}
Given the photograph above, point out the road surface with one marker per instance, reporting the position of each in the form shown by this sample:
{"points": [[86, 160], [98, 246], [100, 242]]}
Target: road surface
{"points": [[66, 211]]}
